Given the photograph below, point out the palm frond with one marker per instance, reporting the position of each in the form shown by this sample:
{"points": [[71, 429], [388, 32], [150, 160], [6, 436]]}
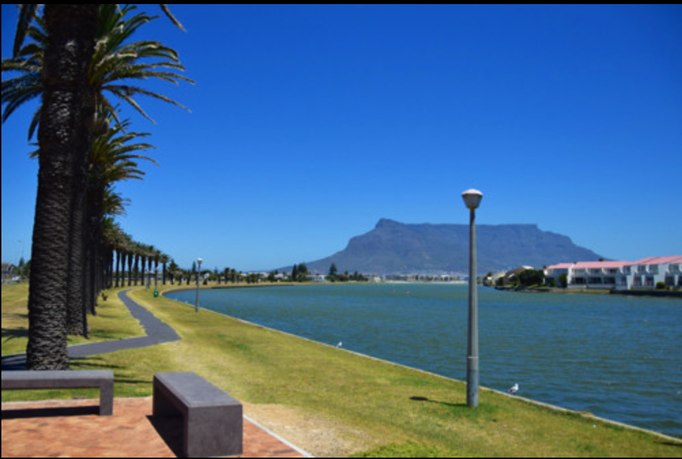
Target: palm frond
{"points": [[27, 12], [165, 9]]}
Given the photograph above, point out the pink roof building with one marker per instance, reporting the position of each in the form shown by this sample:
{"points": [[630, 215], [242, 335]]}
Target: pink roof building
{"points": [[645, 273]]}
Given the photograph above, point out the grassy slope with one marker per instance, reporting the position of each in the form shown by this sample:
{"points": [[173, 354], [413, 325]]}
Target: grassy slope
{"points": [[403, 410], [113, 321]]}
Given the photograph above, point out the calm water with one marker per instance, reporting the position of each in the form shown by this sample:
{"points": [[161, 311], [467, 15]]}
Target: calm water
{"points": [[616, 357]]}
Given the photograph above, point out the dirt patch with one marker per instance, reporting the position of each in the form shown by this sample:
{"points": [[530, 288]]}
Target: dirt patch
{"points": [[315, 434]]}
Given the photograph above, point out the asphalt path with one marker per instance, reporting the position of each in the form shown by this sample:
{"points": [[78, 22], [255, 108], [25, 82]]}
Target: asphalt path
{"points": [[157, 333]]}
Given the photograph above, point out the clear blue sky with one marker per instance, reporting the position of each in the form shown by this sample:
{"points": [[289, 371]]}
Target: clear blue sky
{"points": [[310, 123]]}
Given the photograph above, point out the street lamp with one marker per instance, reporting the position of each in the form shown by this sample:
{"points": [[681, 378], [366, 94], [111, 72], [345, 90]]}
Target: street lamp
{"points": [[472, 199], [196, 307]]}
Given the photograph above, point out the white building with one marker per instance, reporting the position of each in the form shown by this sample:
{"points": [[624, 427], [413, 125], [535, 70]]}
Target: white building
{"points": [[648, 272], [621, 275]]}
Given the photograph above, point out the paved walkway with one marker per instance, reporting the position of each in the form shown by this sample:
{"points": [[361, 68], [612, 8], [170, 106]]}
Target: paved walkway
{"points": [[73, 429], [157, 332]]}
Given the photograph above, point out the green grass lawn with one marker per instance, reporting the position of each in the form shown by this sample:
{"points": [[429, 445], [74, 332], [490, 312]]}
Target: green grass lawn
{"points": [[389, 410], [113, 321]]}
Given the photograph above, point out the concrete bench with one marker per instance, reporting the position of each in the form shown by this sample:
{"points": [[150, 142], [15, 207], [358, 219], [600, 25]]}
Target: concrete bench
{"points": [[212, 420], [58, 379]]}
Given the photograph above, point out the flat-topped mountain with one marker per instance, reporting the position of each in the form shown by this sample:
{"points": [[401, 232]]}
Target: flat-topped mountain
{"points": [[398, 248]]}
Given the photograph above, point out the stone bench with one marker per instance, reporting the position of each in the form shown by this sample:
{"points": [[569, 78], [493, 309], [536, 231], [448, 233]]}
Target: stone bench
{"points": [[212, 420], [65, 379]]}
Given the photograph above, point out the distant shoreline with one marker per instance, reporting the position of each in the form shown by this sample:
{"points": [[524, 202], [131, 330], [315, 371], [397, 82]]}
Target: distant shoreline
{"points": [[650, 293], [459, 282]]}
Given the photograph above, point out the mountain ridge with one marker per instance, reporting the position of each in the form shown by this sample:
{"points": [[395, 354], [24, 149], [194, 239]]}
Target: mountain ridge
{"points": [[392, 247]]}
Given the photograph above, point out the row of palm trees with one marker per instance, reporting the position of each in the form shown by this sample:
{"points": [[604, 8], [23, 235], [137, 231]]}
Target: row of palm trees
{"points": [[78, 61]]}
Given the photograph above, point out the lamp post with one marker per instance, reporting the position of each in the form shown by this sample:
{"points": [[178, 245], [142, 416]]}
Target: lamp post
{"points": [[472, 199], [199, 260]]}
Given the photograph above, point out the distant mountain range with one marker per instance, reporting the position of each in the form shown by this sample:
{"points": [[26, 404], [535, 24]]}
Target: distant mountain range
{"points": [[398, 248]]}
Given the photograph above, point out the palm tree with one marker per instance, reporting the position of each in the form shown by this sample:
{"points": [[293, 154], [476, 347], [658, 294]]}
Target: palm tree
{"points": [[64, 137], [164, 259], [113, 60], [114, 159], [131, 262], [67, 101]]}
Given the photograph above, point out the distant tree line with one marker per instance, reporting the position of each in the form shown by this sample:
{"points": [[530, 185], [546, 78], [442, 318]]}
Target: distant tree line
{"points": [[334, 275], [531, 278]]}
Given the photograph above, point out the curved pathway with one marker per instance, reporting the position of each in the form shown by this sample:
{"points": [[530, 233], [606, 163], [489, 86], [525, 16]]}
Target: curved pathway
{"points": [[157, 333]]}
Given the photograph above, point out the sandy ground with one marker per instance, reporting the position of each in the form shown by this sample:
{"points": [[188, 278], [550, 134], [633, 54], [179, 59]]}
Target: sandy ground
{"points": [[319, 436]]}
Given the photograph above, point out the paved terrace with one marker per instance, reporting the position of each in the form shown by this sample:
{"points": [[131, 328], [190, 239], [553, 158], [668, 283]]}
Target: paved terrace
{"points": [[71, 428], [74, 429]]}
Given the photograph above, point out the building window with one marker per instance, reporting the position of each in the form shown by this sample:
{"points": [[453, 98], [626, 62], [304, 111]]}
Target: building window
{"points": [[595, 280], [649, 281]]}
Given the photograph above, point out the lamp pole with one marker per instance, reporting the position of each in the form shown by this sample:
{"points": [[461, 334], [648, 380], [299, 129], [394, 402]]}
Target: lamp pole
{"points": [[196, 307], [472, 199]]}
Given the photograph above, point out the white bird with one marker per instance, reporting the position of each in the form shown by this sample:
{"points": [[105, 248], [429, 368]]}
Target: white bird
{"points": [[340, 344], [514, 389]]}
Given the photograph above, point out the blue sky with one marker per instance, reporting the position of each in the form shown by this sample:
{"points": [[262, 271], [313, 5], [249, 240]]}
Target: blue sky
{"points": [[310, 123]]}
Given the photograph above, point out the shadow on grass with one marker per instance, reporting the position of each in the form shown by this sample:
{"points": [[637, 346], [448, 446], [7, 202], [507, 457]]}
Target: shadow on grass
{"points": [[93, 363], [669, 443], [9, 334], [427, 400]]}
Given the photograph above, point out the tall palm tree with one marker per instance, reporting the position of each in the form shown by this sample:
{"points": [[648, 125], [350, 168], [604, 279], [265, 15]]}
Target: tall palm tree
{"points": [[110, 61], [114, 159], [64, 137], [68, 101], [164, 259], [131, 261]]}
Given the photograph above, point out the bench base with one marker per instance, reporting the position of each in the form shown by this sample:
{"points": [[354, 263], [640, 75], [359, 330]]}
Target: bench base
{"points": [[212, 420]]}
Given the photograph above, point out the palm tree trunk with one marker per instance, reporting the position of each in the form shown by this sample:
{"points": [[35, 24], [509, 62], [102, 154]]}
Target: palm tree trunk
{"points": [[156, 273], [130, 268], [64, 138], [137, 268], [118, 267], [110, 267], [75, 299]]}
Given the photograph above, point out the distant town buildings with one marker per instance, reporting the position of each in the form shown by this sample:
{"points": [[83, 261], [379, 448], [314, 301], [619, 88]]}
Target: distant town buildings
{"points": [[620, 275]]}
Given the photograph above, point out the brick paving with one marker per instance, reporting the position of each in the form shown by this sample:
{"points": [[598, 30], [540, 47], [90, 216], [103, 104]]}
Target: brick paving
{"points": [[72, 428]]}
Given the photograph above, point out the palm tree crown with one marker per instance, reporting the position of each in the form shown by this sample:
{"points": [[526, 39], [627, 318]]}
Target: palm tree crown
{"points": [[115, 62]]}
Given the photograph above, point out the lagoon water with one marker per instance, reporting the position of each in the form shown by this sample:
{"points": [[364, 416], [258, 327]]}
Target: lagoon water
{"points": [[616, 357]]}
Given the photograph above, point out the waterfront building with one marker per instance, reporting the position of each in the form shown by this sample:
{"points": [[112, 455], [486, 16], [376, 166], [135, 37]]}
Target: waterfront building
{"points": [[620, 275]]}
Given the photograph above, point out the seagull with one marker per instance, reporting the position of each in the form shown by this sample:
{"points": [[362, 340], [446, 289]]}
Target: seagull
{"points": [[340, 344], [514, 389]]}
